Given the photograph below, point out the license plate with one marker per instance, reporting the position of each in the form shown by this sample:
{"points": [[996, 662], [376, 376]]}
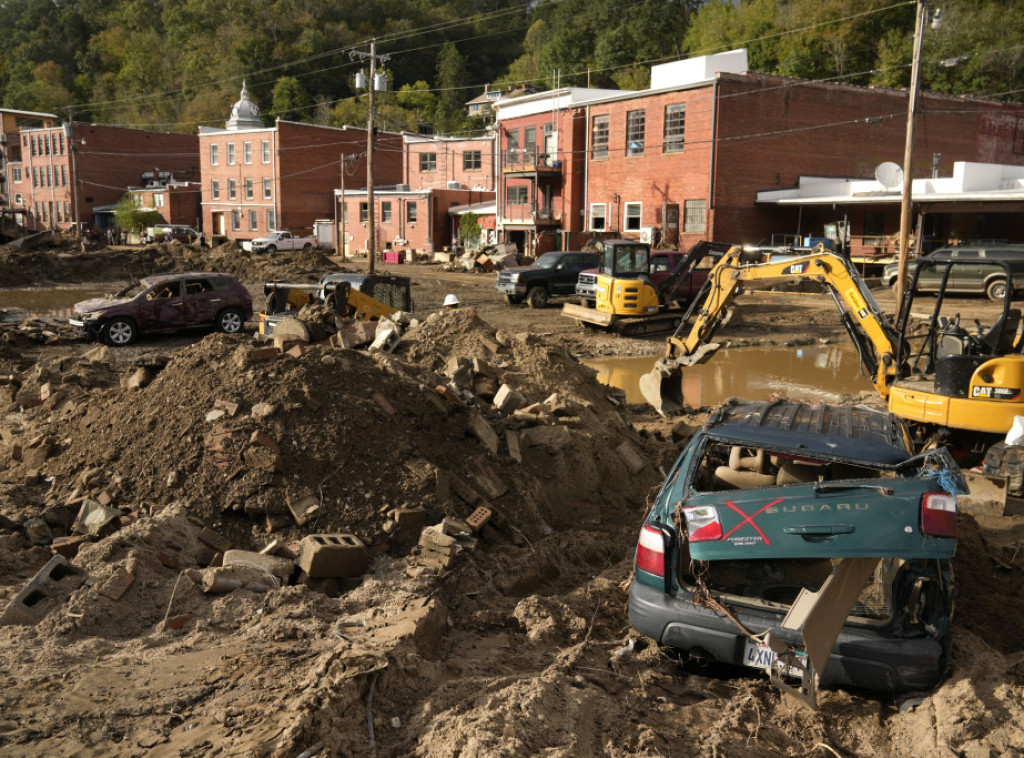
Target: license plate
{"points": [[759, 656]]}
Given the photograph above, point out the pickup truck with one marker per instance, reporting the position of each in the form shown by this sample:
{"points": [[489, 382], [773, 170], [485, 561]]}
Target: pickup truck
{"points": [[662, 263], [551, 275], [279, 240]]}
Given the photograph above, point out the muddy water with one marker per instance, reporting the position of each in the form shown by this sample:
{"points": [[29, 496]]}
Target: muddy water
{"points": [[822, 373], [54, 302]]}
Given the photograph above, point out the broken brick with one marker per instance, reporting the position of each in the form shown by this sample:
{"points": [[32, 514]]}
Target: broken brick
{"points": [[177, 622], [383, 404], [118, 584], [478, 518]]}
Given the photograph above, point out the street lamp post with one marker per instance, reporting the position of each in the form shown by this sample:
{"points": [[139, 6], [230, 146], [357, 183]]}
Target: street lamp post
{"points": [[906, 200]]}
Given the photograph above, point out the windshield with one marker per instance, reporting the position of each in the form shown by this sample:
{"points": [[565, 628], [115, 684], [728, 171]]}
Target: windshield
{"points": [[128, 292], [548, 260]]}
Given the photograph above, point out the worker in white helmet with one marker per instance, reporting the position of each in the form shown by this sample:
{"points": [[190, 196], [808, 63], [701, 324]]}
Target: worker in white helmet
{"points": [[451, 303]]}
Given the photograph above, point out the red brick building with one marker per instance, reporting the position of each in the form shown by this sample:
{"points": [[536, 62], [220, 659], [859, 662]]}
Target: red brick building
{"points": [[177, 202], [449, 162], [106, 160], [11, 124], [257, 178], [685, 159]]}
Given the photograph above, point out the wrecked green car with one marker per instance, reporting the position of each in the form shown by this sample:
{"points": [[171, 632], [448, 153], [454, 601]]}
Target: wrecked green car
{"points": [[805, 540]]}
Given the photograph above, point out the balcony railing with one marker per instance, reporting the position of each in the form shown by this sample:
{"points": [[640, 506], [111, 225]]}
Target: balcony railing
{"points": [[530, 159]]}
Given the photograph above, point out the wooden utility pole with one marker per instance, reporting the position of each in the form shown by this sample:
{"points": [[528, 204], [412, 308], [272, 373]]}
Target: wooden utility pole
{"points": [[343, 240], [371, 87]]}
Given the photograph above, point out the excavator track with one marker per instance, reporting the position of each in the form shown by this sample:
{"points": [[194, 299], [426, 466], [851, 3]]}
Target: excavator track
{"points": [[662, 323]]}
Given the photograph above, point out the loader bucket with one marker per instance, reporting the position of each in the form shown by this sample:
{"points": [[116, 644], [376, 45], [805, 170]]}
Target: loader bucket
{"points": [[662, 387]]}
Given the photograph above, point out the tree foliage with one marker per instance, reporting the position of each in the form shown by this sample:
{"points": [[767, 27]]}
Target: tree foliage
{"points": [[178, 64], [131, 218]]}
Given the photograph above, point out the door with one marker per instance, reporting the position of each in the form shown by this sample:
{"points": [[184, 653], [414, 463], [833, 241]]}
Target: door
{"points": [[201, 301], [670, 224], [162, 307]]}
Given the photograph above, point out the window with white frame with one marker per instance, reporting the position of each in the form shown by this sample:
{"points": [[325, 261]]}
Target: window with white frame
{"points": [[265, 150], [248, 189], [246, 153], [635, 127], [231, 153], [254, 220], [236, 220], [385, 212], [517, 195], [215, 189], [266, 189], [19, 199], [598, 217], [631, 216], [364, 212], [214, 155], [16, 175], [232, 189], [271, 219], [695, 215], [158, 200], [410, 212], [675, 128]]}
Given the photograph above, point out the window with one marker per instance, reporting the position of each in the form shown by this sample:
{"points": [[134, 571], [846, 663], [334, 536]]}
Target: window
{"points": [[15, 174], [428, 161], [694, 212], [266, 189], [67, 209], [635, 122], [158, 200], [675, 127], [271, 219], [385, 212], [231, 153], [631, 216], [236, 220], [64, 176], [246, 153], [213, 155], [599, 137], [248, 189], [410, 212], [513, 139], [472, 160], [364, 212], [265, 150], [215, 189], [19, 200], [530, 138], [49, 176], [232, 189], [516, 195], [598, 217], [254, 220]]}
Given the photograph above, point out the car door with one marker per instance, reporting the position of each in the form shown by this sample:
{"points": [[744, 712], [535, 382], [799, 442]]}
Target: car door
{"points": [[161, 307], [201, 301], [563, 278]]}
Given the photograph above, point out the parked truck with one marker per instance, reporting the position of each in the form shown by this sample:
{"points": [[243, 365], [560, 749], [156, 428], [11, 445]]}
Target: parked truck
{"points": [[281, 240]]}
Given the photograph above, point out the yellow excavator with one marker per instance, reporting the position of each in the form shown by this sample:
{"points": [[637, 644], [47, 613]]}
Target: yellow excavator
{"points": [[943, 376]]}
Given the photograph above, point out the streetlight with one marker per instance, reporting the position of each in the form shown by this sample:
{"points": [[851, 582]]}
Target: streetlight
{"points": [[908, 152]]}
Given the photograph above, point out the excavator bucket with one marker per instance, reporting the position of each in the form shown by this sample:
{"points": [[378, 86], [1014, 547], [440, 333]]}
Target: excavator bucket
{"points": [[662, 387]]}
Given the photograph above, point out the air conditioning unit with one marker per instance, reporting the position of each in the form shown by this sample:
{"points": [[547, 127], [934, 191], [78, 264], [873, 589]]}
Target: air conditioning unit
{"points": [[647, 234], [401, 188], [454, 185]]}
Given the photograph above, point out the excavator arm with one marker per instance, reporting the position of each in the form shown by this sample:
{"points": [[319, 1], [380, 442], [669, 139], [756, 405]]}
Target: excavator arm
{"points": [[870, 330]]}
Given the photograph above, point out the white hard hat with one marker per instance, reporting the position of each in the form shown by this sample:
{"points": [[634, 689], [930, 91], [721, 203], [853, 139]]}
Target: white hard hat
{"points": [[451, 300]]}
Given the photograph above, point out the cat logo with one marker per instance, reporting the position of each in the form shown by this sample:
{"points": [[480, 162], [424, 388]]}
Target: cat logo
{"points": [[796, 268], [977, 391], [995, 393]]}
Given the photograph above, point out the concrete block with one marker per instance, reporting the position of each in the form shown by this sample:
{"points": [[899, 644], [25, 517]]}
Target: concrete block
{"points": [[634, 461], [512, 440], [271, 564], [548, 436], [340, 555], [508, 400], [479, 518], [49, 588], [483, 432]]}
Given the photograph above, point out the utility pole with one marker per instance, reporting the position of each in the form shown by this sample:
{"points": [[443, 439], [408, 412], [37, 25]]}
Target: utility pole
{"points": [[371, 87], [342, 242], [69, 135]]}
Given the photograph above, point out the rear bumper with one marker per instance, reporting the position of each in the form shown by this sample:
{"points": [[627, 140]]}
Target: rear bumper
{"points": [[862, 657]]}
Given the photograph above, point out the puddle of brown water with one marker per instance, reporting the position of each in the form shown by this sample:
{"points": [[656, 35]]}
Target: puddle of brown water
{"points": [[822, 373], [55, 302]]}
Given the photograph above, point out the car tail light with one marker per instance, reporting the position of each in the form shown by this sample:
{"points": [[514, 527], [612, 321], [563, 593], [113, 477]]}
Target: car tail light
{"points": [[938, 514], [650, 551], [703, 523]]}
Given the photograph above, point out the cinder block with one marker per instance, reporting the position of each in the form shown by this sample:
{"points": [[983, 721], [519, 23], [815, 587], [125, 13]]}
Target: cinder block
{"points": [[508, 400], [49, 588], [339, 555]]}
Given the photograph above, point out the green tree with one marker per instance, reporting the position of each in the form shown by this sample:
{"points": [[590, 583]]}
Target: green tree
{"points": [[133, 219], [469, 230], [290, 101], [452, 79]]}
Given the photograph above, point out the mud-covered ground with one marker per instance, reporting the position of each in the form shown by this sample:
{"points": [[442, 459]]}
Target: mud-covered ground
{"points": [[522, 647]]}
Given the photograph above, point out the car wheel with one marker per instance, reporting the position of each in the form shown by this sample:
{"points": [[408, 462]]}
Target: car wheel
{"points": [[537, 297], [307, 247], [996, 290], [271, 250], [230, 321], [119, 332], [513, 300]]}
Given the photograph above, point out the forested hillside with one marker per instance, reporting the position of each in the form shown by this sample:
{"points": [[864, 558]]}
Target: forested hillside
{"points": [[177, 64]]}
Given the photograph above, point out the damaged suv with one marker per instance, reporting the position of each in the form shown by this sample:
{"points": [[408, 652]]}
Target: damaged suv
{"points": [[805, 540]]}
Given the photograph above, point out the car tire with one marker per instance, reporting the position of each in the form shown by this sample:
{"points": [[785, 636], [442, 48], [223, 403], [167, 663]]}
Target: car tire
{"points": [[230, 321], [996, 290], [513, 300], [537, 297], [119, 332], [307, 247], [271, 250]]}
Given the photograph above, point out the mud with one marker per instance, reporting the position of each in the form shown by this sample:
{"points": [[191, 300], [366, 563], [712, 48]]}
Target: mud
{"points": [[522, 647]]}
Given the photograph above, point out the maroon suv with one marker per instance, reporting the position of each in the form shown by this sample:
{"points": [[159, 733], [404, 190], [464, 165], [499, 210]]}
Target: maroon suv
{"points": [[165, 303]]}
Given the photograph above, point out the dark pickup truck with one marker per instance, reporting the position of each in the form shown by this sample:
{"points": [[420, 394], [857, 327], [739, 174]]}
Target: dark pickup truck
{"points": [[550, 275]]}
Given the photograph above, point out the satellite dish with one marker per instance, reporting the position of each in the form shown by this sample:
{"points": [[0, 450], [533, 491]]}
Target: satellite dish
{"points": [[889, 174]]}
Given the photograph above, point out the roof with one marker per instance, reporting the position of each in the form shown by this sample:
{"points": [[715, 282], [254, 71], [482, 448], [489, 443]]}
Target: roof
{"points": [[481, 209]]}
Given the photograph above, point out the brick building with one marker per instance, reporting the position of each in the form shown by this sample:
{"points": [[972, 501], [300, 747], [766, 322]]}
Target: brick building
{"points": [[256, 178], [177, 202], [685, 159], [11, 124], [105, 159]]}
